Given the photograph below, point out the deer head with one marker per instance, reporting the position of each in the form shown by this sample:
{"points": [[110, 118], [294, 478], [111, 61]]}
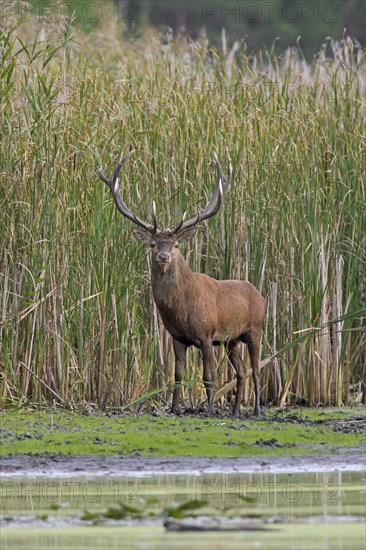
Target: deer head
{"points": [[165, 243]]}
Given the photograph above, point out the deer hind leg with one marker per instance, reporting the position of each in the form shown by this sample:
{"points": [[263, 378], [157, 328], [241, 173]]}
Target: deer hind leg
{"points": [[234, 356], [254, 346], [208, 358], [180, 355]]}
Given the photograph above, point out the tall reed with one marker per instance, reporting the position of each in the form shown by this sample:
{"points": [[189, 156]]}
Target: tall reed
{"points": [[77, 321]]}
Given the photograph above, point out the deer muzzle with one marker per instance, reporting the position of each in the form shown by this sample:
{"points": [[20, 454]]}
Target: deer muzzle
{"points": [[163, 258]]}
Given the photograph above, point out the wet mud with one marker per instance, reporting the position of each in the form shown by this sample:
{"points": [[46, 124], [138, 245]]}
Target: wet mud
{"points": [[327, 459]]}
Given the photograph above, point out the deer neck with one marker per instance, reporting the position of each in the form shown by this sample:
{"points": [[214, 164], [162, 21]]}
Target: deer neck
{"points": [[169, 287]]}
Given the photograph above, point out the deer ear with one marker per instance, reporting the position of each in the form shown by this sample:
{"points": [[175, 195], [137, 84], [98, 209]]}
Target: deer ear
{"points": [[186, 235], [142, 235]]}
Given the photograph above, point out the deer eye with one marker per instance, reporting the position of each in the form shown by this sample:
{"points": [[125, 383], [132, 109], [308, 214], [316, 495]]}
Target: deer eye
{"points": [[152, 244], [176, 245]]}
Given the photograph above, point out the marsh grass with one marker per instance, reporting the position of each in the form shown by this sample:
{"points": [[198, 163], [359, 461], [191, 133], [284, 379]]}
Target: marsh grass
{"points": [[53, 430], [77, 321]]}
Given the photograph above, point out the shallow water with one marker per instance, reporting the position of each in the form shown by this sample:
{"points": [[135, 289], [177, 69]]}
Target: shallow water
{"points": [[273, 511]]}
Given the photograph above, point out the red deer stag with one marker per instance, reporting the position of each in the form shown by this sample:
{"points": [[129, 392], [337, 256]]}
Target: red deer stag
{"points": [[196, 309]]}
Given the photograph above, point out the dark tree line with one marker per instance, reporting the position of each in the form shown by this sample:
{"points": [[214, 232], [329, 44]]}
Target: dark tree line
{"points": [[260, 22]]}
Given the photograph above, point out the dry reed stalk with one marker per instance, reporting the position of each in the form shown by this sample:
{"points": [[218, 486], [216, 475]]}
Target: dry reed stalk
{"points": [[277, 379], [168, 361], [231, 385], [26, 380], [158, 360], [56, 333], [42, 382], [324, 347], [102, 350], [337, 311], [5, 278], [81, 330]]}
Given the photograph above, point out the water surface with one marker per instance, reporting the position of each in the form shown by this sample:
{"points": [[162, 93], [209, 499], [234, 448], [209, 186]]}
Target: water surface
{"points": [[273, 511]]}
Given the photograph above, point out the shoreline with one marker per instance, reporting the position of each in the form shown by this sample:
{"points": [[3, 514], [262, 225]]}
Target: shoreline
{"points": [[345, 459]]}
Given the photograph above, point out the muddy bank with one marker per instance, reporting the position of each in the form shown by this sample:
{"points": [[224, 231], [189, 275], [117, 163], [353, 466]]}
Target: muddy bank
{"points": [[328, 459]]}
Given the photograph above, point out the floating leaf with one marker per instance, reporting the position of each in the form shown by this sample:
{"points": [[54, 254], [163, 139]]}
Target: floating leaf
{"points": [[189, 506]]}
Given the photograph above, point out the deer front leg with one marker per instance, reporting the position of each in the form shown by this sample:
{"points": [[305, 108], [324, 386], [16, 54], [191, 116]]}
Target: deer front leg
{"points": [[208, 371], [180, 355]]}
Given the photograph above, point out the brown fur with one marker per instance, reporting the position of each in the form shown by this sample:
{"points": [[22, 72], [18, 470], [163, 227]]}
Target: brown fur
{"points": [[201, 311], [196, 309]]}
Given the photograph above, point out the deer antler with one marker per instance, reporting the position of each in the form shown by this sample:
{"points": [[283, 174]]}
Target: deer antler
{"points": [[213, 206], [122, 207]]}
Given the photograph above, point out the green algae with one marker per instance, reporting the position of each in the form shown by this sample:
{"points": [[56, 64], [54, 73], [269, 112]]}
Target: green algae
{"points": [[278, 432]]}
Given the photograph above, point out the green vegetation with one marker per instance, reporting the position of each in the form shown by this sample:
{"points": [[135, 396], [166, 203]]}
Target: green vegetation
{"points": [[77, 322], [56, 431]]}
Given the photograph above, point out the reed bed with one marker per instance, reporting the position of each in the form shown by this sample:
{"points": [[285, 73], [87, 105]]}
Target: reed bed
{"points": [[77, 320]]}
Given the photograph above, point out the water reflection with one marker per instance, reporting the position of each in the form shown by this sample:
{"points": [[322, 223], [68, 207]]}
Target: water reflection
{"points": [[285, 500]]}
